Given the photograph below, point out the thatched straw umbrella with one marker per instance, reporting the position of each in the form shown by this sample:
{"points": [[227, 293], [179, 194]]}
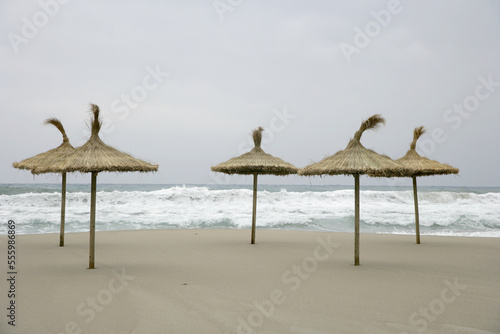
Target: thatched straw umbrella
{"points": [[48, 158], [93, 157], [421, 166], [356, 160], [254, 163]]}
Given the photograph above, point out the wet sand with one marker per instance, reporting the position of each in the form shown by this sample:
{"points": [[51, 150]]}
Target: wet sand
{"points": [[215, 281]]}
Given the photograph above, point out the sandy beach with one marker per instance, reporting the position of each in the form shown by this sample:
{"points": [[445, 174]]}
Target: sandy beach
{"points": [[214, 281]]}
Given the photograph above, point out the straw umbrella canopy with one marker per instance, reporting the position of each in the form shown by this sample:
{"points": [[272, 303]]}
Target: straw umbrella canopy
{"points": [[254, 163], [357, 160], [46, 159], [94, 157], [421, 166]]}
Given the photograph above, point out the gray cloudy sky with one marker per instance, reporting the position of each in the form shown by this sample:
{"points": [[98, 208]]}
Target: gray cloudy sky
{"points": [[183, 83]]}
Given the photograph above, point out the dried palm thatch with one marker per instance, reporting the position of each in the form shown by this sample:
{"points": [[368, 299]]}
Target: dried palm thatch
{"points": [[254, 163], [355, 160], [46, 160], [94, 156], [421, 166]]}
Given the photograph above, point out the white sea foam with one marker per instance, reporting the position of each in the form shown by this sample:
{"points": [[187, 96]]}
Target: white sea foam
{"points": [[441, 212]]}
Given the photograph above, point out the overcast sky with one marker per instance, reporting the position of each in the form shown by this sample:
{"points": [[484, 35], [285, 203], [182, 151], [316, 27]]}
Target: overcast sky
{"points": [[183, 83]]}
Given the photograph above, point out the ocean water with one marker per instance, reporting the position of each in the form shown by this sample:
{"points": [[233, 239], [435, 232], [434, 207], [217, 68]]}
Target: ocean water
{"points": [[463, 211]]}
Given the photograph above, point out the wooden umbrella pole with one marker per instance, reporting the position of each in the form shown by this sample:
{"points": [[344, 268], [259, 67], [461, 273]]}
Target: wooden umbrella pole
{"points": [[415, 199], [356, 219], [63, 209], [92, 219], [254, 211]]}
